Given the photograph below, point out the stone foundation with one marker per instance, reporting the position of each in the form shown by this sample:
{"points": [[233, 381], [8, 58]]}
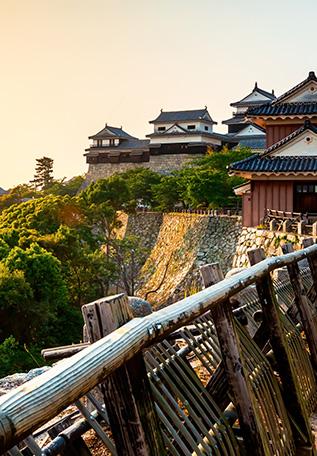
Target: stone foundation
{"points": [[270, 241], [163, 164]]}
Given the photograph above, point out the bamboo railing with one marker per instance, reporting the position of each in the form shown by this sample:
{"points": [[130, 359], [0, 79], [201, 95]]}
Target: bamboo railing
{"points": [[30, 406]]}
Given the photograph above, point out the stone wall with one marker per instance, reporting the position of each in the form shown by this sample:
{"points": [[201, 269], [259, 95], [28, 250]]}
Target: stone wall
{"points": [[184, 243], [143, 225], [164, 164], [270, 241]]}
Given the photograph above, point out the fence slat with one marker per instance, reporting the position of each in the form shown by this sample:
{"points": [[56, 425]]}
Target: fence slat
{"points": [[233, 361], [271, 317], [303, 306]]}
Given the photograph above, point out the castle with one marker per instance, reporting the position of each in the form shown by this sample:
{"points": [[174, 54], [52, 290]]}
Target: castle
{"points": [[177, 138], [284, 176]]}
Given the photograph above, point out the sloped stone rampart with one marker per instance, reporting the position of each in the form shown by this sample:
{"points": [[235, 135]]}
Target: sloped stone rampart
{"points": [[184, 243]]}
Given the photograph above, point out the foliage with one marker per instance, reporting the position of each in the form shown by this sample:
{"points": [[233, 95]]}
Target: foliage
{"points": [[141, 183], [63, 187], [15, 357], [167, 193], [43, 176], [58, 247], [129, 256], [16, 195]]}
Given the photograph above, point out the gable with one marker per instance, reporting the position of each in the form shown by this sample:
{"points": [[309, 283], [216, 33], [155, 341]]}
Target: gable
{"points": [[305, 145], [306, 93], [250, 130], [255, 96], [206, 116], [174, 129]]}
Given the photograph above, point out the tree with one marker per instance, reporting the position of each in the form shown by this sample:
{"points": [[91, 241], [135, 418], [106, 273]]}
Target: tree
{"points": [[43, 176], [167, 193], [129, 256], [140, 183]]}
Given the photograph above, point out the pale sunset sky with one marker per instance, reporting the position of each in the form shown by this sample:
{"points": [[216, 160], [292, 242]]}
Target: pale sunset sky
{"points": [[69, 66]]}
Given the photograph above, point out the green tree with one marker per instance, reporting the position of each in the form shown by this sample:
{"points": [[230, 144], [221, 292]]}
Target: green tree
{"points": [[141, 182], [43, 177], [63, 187], [167, 193]]}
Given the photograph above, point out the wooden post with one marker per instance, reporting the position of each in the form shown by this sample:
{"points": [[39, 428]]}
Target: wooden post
{"points": [[127, 391], [233, 361], [302, 303], [300, 227], [287, 226], [312, 261], [314, 229], [271, 317]]}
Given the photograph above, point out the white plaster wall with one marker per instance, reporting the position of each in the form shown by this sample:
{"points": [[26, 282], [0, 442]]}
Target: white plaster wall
{"points": [[200, 126], [256, 96], [250, 130], [299, 147], [165, 139], [307, 93]]}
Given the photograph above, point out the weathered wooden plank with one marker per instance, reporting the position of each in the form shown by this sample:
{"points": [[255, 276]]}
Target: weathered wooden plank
{"points": [[303, 306], [127, 391], [31, 405], [271, 317], [56, 353]]}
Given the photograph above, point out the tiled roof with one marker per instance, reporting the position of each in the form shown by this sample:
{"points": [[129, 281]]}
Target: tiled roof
{"points": [[254, 142], [238, 119], [265, 162], [260, 164], [177, 116], [311, 77], [111, 132], [284, 109], [242, 102]]}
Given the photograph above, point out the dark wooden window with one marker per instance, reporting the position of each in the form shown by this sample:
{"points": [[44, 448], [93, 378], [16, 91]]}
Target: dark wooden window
{"points": [[206, 128], [161, 128], [191, 127], [305, 197], [306, 188]]}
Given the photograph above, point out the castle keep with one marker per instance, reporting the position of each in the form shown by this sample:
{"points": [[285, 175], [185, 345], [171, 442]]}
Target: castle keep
{"points": [[178, 137]]}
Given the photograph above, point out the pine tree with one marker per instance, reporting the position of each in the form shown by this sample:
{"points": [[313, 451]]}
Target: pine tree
{"points": [[43, 176]]}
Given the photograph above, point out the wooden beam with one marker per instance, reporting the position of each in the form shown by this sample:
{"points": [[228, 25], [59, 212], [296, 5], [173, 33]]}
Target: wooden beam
{"points": [[127, 391], [31, 405], [271, 317]]}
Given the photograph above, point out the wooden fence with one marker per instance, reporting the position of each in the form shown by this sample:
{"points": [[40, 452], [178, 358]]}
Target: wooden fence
{"points": [[244, 331], [294, 222]]}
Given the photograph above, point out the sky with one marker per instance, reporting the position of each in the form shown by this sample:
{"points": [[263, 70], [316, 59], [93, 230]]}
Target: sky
{"points": [[70, 66]]}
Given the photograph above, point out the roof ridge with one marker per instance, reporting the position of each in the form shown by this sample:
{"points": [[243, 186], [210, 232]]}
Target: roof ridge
{"points": [[307, 125], [256, 89], [311, 77]]}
